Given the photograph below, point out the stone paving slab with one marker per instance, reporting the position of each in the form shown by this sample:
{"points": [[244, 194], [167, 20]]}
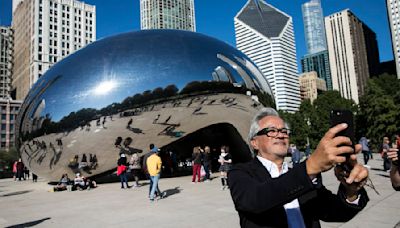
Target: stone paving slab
{"points": [[188, 205]]}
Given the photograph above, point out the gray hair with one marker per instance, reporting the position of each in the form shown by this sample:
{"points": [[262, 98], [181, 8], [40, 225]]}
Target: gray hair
{"points": [[255, 127]]}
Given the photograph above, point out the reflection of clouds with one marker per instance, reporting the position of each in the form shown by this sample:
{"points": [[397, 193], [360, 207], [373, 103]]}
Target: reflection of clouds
{"points": [[81, 95]]}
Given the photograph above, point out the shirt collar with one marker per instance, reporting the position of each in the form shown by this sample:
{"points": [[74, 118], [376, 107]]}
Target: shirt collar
{"points": [[272, 167]]}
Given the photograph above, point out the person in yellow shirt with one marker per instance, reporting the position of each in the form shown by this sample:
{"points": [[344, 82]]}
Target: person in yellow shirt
{"points": [[154, 168]]}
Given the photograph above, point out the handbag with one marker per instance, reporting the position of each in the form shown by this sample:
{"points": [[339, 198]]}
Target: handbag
{"points": [[202, 171]]}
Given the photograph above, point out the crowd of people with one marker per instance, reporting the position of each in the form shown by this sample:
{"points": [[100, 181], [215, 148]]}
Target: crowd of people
{"points": [[267, 192]]}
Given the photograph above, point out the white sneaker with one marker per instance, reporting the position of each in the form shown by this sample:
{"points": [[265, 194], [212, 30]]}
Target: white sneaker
{"points": [[222, 188]]}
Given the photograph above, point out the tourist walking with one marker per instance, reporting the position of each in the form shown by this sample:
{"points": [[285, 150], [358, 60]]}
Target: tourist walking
{"points": [[153, 149], [134, 166], [365, 149], [154, 168]]}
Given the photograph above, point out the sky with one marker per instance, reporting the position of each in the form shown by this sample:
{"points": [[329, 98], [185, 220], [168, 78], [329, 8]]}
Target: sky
{"points": [[215, 18]]}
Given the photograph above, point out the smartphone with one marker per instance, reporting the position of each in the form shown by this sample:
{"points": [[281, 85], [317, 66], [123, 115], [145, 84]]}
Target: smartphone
{"points": [[344, 116]]}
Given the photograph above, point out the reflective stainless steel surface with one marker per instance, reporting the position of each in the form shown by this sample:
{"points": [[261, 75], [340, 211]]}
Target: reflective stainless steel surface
{"points": [[154, 86]]}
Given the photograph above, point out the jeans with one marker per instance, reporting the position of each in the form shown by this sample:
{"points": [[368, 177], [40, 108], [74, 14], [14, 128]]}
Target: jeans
{"points": [[151, 185], [366, 156], [207, 169], [155, 180], [123, 179]]}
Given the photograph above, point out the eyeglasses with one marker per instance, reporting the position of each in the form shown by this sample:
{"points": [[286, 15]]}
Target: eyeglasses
{"points": [[273, 132]]}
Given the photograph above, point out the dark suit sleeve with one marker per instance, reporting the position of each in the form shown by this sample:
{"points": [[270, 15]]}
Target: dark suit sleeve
{"points": [[252, 195], [335, 208]]}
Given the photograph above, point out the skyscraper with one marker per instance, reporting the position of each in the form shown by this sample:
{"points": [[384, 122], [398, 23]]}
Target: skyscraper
{"points": [[9, 111], [353, 53], [167, 14], [318, 62], [6, 60], [314, 28], [393, 7], [317, 58], [265, 34], [45, 32]]}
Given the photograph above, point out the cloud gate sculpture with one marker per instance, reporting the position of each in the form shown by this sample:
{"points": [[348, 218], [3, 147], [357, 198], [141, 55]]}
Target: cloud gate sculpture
{"points": [[175, 89]]}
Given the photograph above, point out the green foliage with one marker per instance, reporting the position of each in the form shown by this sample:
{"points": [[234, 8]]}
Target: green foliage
{"points": [[312, 120], [7, 158], [379, 114], [376, 116]]}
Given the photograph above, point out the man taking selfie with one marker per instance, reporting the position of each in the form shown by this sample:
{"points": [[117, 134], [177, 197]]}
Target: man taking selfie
{"points": [[266, 193]]}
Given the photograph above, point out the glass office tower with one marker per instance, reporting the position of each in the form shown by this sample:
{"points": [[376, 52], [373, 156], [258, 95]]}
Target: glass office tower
{"points": [[314, 28]]}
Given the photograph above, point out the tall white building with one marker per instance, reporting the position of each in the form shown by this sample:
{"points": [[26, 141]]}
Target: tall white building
{"points": [[6, 60], [265, 34], [353, 53], [393, 7], [167, 14], [45, 32]]}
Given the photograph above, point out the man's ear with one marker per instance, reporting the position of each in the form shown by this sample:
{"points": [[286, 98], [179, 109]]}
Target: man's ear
{"points": [[254, 144]]}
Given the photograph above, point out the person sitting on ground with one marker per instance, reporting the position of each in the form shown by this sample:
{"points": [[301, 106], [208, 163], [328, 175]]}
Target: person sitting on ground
{"points": [[89, 184], [62, 184], [79, 182]]}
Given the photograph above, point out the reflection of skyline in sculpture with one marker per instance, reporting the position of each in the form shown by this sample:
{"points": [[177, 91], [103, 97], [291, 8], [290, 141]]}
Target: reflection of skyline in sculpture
{"points": [[249, 82], [132, 49], [221, 74], [154, 86]]}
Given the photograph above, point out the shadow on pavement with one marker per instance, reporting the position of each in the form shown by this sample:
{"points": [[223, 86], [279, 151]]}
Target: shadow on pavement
{"points": [[16, 193], [29, 224], [172, 191], [383, 175]]}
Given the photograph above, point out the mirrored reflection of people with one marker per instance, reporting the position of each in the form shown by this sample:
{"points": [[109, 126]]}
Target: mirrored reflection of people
{"points": [[267, 194], [393, 155], [225, 160]]}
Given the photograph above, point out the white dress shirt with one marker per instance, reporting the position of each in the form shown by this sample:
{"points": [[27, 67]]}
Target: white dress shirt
{"points": [[293, 213]]}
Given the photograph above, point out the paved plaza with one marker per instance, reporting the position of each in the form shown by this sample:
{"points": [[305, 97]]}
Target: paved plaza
{"points": [[26, 204]]}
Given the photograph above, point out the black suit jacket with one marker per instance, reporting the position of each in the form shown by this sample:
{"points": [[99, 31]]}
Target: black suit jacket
{"points": [[259, 198]]}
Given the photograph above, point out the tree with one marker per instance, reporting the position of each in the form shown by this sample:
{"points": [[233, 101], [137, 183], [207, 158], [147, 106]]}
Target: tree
{"points": [[379, 112], [312, 120]]}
